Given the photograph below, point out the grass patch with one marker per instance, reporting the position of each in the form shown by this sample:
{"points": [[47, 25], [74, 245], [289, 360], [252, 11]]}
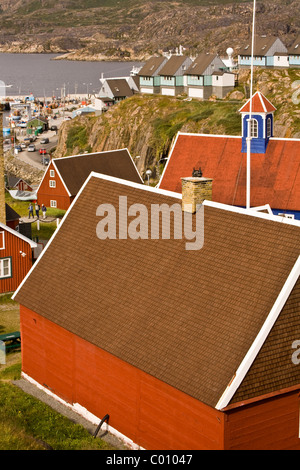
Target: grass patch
{"points": [[77, 138], [26, 422], [46, 228], [29, 424]]}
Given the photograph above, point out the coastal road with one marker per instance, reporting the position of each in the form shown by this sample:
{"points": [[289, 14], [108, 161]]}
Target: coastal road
{"points": [[35, 158]]}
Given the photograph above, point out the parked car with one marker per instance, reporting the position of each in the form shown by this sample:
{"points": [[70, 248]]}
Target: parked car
{"points": [[45, 140], [23, 145], [43, 151], [19, 148], [31, 148], [53, 128]]}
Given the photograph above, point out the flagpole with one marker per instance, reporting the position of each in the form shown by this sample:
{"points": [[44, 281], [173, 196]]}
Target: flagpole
{"points": [[248, 183]]}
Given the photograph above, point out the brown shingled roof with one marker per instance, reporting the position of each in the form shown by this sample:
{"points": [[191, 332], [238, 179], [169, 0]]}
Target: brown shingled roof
{"points": [[200, 64], [74, 170], [172, 66], [211, 305], [294, 49], [119, 87], [152, 66], [262, 45]]}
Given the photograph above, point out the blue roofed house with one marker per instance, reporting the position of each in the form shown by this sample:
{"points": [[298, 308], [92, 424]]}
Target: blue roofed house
{"points": [[269, 51]]}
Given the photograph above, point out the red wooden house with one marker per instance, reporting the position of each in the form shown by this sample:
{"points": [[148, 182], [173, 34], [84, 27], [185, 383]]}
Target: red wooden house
{"points": [[275, 163], [183, 349], [14, 182], [16, 256], [65, 176]]}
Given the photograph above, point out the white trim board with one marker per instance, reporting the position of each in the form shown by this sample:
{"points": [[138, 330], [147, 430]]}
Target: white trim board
{"points": [[253, 211], [18, 234], [53, 161], [260, 338]]}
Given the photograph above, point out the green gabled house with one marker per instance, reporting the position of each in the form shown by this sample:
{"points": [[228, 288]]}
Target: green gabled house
{"points": [[37, 123], [149, 78]]}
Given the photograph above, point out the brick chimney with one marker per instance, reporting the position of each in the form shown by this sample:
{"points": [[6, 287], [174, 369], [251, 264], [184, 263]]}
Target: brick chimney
{"points": [[2, 184], [195, 189]]}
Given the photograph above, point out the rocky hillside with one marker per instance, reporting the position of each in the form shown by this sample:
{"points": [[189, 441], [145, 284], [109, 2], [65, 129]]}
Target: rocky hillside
{"points": [[146, 125], [136, 29]]}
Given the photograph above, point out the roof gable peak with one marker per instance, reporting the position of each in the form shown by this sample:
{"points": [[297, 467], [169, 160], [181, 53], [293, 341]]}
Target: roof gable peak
{"points": [[260, 104]]}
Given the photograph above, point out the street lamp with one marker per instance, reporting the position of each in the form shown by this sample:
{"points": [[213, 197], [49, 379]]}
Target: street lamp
{"points": [[148, 173]]}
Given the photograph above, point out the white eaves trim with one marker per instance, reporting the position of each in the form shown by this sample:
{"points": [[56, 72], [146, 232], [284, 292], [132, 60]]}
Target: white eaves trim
{"points": [[261, 337], [60, 177], [19, 235], [53, 161], [254, 212]]}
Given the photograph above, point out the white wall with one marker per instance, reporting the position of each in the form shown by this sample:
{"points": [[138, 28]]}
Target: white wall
{"points": [[227, 79], [196, 92], [281, 61], [168, 91]]}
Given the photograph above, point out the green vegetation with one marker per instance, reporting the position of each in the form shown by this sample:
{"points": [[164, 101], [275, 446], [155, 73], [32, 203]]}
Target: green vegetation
{"points": [[29, 424], [77, 138], [46, 228], [26, 422]]}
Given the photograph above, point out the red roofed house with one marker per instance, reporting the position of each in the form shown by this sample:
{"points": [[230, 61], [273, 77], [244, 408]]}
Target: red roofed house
{"points": [[212, 362], [65, 176], [275, 162]]}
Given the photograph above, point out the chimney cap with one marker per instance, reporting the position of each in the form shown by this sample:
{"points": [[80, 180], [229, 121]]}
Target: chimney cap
{"points": [[197, 173], [196, 178]]}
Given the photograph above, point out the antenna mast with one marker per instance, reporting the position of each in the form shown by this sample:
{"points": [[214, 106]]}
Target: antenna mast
{"points": [[250, 116]]}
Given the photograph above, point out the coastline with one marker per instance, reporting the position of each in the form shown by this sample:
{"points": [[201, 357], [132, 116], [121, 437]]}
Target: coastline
{"points": [[78, 55]]}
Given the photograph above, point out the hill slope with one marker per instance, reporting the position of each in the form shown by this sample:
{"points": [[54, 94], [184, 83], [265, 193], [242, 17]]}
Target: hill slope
{"points": [[147, 124], [136, 29]]}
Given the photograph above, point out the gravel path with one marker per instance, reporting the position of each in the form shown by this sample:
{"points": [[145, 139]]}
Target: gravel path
{"points": [[31, 389]]}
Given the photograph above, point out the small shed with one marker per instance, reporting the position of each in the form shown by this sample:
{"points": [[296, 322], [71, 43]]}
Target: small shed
{"points": [[37, 123]]}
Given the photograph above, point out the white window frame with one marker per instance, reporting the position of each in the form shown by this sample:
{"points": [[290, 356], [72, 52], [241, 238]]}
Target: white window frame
{"points": [[254, 128], [2, 245], [269, 127], [2, 267], [52, 183], [53, 203], [52, 174]]}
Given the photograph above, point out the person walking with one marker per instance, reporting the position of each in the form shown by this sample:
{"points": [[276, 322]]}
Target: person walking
{"points": [[37, 210], [30, 211], [44, 210]]}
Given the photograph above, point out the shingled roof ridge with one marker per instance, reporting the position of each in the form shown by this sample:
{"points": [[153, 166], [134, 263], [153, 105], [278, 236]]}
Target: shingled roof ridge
{"points": [[90, 153]]}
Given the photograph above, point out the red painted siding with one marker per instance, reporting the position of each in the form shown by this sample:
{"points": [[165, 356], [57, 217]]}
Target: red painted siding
{"points": [[20, 265], [59, 194], [271, 424], [148, 411], [151, 413]]}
